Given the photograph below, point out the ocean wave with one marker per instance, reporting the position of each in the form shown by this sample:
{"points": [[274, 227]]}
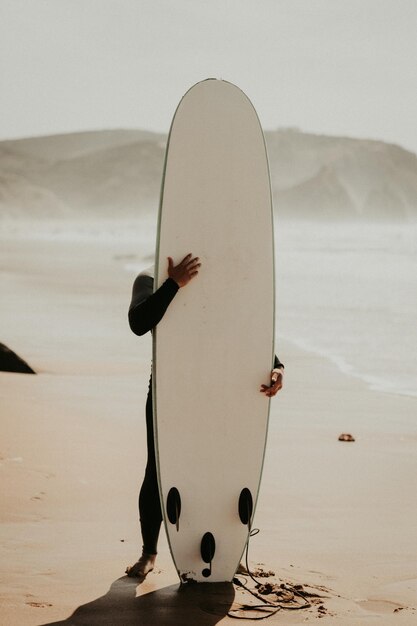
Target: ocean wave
{"points": [[396, 385]]}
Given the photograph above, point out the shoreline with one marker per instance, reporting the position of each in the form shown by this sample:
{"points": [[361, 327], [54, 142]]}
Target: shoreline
{"points": [[372, 382]]}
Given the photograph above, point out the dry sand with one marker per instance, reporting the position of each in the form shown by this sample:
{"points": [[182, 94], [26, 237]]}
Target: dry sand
{"points": [[339, 516]]}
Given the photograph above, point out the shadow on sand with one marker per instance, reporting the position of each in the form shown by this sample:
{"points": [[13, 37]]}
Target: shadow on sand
{"points": [[204, 604]]}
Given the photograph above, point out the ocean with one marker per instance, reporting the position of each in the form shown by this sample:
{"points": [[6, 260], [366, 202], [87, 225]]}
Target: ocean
{"points": [[348, 292], [344, 291]]}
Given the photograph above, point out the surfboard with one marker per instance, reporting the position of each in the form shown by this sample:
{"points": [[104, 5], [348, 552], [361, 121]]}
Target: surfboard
{"points": [[214, 346]]}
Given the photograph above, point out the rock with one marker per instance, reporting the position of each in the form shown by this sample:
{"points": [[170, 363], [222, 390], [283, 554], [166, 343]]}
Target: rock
{"points": [[11, 362], [346, 437]]}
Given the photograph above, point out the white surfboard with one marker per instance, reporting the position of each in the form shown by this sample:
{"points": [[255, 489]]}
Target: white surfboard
{"points": [[214, 347]]}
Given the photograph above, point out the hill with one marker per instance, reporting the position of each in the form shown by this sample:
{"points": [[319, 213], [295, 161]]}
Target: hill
{"points": [[118, 173]]}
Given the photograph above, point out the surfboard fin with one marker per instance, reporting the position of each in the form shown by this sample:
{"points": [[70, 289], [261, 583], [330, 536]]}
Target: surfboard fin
{"points": [[208, 548], [174, 507], [245, 506]]}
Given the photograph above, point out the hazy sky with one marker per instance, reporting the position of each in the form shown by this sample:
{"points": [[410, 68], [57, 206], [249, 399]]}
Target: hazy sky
{"points": [[328, 66]]}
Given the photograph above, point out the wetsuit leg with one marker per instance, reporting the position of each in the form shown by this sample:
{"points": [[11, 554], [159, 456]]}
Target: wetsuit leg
{"points": [[149, 505]]}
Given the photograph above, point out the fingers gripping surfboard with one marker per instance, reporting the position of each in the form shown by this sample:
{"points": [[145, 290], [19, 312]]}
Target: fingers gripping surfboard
{"points": [[214, 347]]}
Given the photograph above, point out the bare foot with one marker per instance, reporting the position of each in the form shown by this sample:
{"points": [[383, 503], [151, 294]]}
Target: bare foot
{"points": [[142, 567]]}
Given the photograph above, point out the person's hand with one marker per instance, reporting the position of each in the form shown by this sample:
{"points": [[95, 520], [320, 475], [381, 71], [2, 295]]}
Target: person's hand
{"points": [[184, 271], [277, 380]]}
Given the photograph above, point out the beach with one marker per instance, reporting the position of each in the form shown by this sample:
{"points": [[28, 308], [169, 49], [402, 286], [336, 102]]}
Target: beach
{"points": [[338, 517]]}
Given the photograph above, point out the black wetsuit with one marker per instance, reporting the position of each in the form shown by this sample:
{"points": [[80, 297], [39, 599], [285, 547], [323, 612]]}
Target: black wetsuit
{"points": [[145, 312]]}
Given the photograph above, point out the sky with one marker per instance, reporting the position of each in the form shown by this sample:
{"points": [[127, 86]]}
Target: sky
{"points": [[339, 67]]}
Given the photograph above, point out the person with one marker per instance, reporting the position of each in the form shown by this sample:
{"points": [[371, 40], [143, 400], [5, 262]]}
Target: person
{"points": [[146, 310]]}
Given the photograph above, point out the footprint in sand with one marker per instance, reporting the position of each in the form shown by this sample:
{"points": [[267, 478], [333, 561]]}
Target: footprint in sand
{"points": [[39, 496], [380, 606]]}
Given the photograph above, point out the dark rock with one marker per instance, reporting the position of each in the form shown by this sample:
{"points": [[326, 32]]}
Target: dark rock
{"points": [[10, 362]]}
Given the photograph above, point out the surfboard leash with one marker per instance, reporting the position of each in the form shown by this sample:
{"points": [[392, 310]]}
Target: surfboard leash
{"points": [[268, 607]]}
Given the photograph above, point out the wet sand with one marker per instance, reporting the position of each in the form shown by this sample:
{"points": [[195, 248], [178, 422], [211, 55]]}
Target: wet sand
{"points": [[335, 515]]}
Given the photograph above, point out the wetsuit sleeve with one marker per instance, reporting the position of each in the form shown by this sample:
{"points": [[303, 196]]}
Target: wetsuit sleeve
{"points": [[277, 362], [147, 308]]}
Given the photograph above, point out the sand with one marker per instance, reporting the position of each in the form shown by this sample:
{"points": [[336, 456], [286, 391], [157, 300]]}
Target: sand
{"points": [[340, 517]]}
